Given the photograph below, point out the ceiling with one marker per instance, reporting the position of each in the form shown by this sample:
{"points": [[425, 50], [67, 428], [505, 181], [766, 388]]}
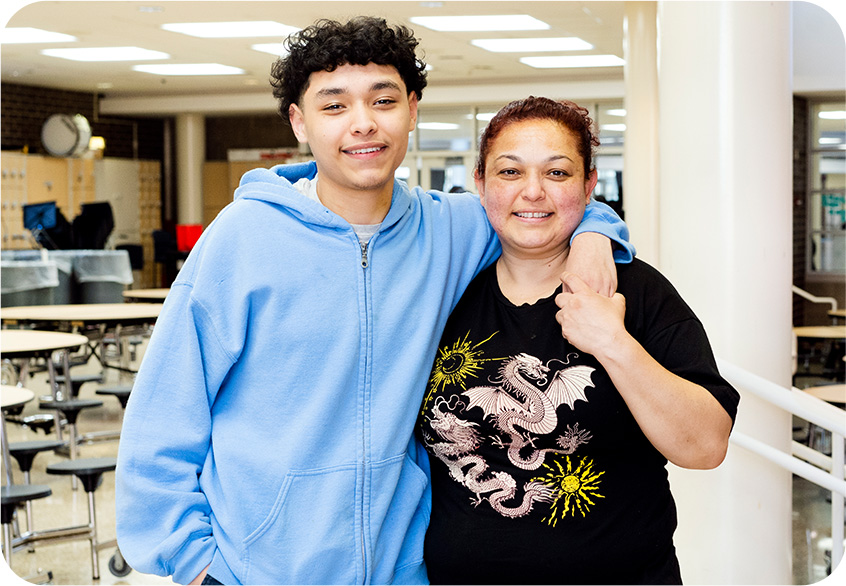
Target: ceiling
{"points": [[453, 59]]}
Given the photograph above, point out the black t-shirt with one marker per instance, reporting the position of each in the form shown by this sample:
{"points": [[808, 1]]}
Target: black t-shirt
{"points": [[540, 473]]}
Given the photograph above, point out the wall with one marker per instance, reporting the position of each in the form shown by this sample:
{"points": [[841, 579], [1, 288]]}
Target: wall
{"points": [[24, 109]]}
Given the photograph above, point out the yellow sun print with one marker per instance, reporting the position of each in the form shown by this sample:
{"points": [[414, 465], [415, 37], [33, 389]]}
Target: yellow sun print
{"points": [[575, 488], [453, 365]]}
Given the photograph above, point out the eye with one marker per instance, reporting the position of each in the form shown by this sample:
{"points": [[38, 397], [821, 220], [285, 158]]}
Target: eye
{"points": [[332, 107], [508, 172], [385, 101], [559, 174]]}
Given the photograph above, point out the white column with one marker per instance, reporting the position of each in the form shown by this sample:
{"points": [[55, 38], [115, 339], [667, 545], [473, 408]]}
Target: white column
{"points": [[190, 156], [640, 150], [725, 75]]}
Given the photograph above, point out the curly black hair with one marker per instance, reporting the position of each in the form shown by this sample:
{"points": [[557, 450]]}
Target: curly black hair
{"points": [[329, 44]]}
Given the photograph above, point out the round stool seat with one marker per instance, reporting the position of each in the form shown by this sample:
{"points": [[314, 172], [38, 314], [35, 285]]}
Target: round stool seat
{"points": [[71, 407], [19, 493], [25, 452], [122, 393], [88, 470]]}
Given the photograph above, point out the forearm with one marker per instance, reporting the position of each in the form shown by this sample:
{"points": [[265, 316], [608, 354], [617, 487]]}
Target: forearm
{"points": [[681, 419]]}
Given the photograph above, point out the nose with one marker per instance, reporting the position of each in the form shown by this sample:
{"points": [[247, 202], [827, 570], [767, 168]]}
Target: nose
{"points": [[533, 189], [362, 122]]}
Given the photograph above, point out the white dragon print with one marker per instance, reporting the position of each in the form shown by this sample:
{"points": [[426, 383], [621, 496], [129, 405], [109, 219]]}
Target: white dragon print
{"points": [[535, 413]]}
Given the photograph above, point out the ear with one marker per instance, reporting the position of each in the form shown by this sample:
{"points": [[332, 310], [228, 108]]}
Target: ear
{"points": [[295, 115], [412, 110], [590, 183], [480, 186]]}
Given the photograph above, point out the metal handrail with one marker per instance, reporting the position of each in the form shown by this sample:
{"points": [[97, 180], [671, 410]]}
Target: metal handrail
{"points": [[823, 471], [814, 299]]}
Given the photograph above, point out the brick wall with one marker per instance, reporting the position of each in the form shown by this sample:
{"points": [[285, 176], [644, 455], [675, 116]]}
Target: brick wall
{"points": [[23, 110], [800, 179]]}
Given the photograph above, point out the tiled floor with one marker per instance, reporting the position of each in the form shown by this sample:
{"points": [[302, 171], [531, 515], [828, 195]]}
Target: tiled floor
{"points": [[70, 562]]}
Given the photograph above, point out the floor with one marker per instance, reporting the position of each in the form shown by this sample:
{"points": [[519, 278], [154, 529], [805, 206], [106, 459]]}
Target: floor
{"points": [[69, 562]]}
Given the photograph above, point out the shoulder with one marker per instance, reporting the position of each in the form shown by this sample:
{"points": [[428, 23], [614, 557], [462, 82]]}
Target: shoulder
{"points": [[652, 302]]}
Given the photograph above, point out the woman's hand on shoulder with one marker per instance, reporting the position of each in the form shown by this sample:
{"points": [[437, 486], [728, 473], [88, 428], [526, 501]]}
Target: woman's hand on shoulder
{"points": [[589, 321]]}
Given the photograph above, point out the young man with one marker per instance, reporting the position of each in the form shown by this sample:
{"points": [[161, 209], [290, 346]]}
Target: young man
{"points": [[269, 435]]}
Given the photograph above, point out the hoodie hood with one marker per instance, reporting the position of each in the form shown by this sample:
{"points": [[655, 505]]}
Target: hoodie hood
{"points": [[276, 186]]}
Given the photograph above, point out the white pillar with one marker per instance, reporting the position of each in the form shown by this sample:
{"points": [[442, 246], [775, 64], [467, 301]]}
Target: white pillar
{"points": [[640, 149], [190, 156], [725, 74]]}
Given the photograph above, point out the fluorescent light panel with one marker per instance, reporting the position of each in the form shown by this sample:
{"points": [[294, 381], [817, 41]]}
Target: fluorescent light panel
{"points": [[188, 69], [438, 126], [503, 22], [833, 115], [532, 45], [276, 49], [25, 34], [106, 54], [231, 30], [572, 61]]}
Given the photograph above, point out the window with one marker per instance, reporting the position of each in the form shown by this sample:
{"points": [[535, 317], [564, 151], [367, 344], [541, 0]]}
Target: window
{"points": [[827, 191]]}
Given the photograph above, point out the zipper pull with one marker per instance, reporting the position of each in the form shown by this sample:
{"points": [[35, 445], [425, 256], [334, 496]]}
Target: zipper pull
{"points": [[363, 255]]}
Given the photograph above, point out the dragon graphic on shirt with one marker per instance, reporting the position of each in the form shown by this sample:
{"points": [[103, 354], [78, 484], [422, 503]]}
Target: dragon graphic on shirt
{"points": [[518, 407]]}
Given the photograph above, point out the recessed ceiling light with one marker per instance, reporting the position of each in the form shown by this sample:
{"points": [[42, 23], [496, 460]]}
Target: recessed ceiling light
{"points": [[106, 54], [25, 34], [231, 30], [277, 49], [833, 115], [189, 69], [567, 61], [613, 127], [830, 140], [502, 22], [616, 112], [438, 126], [532, 45]]}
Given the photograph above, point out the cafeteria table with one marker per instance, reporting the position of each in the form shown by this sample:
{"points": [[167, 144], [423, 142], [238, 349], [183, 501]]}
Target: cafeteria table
{"points": [[94, 320], [10, 398], [149, 295], [837, 314], [29, 344]]}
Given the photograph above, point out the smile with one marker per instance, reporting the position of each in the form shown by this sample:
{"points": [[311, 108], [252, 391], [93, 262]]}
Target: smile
{"points": [[532, 214], [364, 151]]}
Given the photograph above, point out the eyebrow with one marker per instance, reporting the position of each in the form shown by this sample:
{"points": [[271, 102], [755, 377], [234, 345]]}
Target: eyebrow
{"points": [[376, 87], [519, 160]]}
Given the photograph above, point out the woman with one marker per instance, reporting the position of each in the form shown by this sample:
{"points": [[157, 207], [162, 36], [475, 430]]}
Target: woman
{"points": [[548, 451]]}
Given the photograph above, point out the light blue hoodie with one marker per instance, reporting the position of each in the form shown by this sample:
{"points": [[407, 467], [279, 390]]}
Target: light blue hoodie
{"points": [[269, 431]]}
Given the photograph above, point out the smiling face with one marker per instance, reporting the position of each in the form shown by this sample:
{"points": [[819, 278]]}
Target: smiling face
{"points": [[356, 119], [534, 189]]}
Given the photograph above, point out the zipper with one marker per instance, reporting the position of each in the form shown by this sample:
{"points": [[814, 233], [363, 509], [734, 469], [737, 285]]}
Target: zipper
{"points": [[364, 486], [363, 254]]}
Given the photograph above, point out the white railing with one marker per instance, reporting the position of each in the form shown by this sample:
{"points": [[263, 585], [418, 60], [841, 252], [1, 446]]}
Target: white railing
{"points": [[827, 472], [814, 299]]}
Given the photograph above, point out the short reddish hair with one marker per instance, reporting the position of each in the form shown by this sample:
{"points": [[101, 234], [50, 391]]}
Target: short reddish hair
{"points": [[568, 114]]}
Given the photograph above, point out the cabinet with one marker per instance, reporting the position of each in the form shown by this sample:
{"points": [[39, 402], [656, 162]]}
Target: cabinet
{"points": [[132, 187]]}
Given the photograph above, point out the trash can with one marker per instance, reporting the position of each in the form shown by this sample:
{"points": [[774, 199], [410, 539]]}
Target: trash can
{"points": [[102, 275], [27, 282]]}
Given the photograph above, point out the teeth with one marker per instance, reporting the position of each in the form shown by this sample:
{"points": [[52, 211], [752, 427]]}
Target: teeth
{"points": [[532, 214], [363, 151]]}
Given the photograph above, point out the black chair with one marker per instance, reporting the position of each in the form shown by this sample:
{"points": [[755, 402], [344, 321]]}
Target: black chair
{"points": [[12, 496], [90, 472], [24, 453], [70, 409]]}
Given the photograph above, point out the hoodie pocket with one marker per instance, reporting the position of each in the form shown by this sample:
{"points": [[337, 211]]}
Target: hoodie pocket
{"points": [[309, 536]]}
